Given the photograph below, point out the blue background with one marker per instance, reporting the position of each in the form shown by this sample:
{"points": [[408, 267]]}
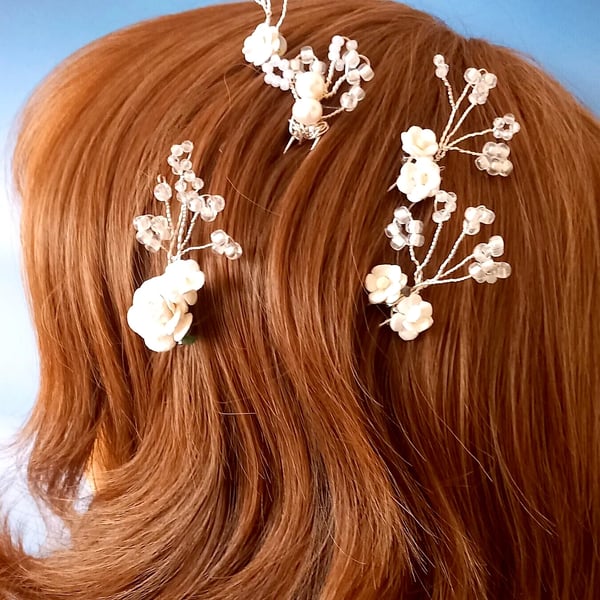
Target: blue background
{"points": [[36, 35]]}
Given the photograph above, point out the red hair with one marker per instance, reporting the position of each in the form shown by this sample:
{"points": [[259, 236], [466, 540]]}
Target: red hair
{"points": [[297, 450]]}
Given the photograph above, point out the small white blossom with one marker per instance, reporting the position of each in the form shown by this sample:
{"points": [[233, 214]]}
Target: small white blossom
{"points": [[160, 309], [419, 179], [264, 42], [411, 316], [418, 142], [385, 283]]}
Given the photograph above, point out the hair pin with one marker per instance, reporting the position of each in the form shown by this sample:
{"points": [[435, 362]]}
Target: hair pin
{"points": [[312, 82], [160, 309], [420, 178]]}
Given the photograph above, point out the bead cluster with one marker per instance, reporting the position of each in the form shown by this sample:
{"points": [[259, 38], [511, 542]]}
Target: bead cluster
{"points": [[160, 311], [310, 80], [420, 178]]}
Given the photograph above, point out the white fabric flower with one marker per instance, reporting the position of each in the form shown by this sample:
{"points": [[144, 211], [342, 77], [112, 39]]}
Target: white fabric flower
{"points": [[385, 283], [419, 179], [418, 142], [411, 316], [264, 42], [160, 309]]}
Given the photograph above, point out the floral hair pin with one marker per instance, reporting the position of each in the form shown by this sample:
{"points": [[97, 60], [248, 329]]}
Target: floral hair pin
{"points": [[310, 80], [160, 310], [420, 178]]}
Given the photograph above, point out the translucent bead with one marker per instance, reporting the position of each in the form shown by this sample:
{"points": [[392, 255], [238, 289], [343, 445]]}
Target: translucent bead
{"points": [[486, 216], [442, 71], [352, 59], [366, 72], [414, 227], [438, 60], [163, 192], [338, 40], [284, 84], [142, 222], [471, 227], [348, 102], [267, 68], [490, 80], [219, 237], [481, 252], [340, 65], [180, 185], [319, 67], [307, 55], [233, 251], [218, 202], [189, 176], [402, 214], [198, 183], [503, 270], [476, 272], [496, 246], [207, 212], [440, 216], [392, 230], [284, 64], [357, 92], [416, 239], [187, 146], [176, 150], [472, 75], [186, 165], [399, 242], [352, 45], [173, 161], [295, 65], [353, 77]]}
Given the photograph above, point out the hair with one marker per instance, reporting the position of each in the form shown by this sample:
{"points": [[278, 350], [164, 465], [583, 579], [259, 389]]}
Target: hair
{"points": [[297, 450]]}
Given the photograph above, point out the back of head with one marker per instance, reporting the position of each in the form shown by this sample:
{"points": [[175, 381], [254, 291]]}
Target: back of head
{"points": [[296, 449]]}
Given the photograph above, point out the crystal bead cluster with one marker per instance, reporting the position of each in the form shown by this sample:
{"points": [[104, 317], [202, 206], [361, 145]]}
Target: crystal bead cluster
{"points": [[160, 310], [310, 80], [420, 178]]}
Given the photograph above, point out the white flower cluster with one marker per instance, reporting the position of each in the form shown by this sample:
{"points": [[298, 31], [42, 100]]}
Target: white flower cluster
{"points": [[420, 175], [160, 310], [420, 178]]}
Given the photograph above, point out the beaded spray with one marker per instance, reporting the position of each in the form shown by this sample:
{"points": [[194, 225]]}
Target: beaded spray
{"points": [[420, 178], [310, 80], [160, 311]]}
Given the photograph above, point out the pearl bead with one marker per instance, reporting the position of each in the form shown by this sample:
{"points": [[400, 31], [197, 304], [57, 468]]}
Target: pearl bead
{"points": [[310, 85], [307, 111]]}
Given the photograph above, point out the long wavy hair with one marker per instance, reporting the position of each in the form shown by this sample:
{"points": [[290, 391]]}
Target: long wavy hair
{"points": [[297, 450]]}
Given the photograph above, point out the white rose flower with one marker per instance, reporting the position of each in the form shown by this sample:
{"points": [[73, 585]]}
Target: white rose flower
{"points": [[417, 142], [419, 179], [264, 42], [411, 316], [385, 283], [160, 309]]}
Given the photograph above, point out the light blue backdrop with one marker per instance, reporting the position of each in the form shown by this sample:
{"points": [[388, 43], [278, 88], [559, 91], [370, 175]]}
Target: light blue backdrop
{"points": [[35, 35]]}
